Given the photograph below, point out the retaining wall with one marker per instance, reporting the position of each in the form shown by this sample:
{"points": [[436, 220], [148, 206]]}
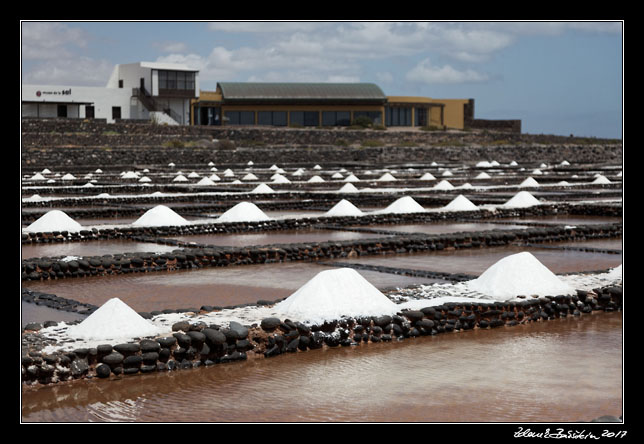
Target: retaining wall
{"points": [[197, 344]]}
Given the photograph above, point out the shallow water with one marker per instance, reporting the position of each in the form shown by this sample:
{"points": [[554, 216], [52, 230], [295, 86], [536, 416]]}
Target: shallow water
{"points": [[220, 286], [564, 370], [91, 248], [475, 261]]}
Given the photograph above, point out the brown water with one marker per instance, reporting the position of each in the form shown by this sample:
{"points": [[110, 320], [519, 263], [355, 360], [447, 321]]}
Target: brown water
{"points": [[476, 261], [221, 286], [275, 237], [564, 370], [91, 248], [447, 227]]}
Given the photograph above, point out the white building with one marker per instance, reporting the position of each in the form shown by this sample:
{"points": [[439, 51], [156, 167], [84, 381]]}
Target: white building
{"points": [[142, 91]]}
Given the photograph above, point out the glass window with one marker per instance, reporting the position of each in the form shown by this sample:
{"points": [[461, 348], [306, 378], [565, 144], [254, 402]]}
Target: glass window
{"points": [[247, 117], [311, 118], [232, 117], [163, 80], [264, 118], [329, 118], [279, 118], [181, 80], [297, 118]]}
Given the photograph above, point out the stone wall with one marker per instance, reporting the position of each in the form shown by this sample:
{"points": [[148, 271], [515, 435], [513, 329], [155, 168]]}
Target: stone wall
{"points": [[89, 143]]}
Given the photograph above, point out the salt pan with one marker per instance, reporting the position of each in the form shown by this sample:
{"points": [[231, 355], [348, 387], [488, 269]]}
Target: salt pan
{"points": [[54, 220], [243, 212], [344, 208], [113, 320], [519, 274], [160, 216], [333, 294]]}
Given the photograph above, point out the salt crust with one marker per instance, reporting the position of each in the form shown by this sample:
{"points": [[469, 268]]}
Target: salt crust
{"points": [[332, 294], [160, 216], [54, 220], [243, 212], [519, 274], [114, 320]]}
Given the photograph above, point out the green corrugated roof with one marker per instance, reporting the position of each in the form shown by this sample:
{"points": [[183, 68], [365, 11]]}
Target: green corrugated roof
{"points": [[246, 91]]}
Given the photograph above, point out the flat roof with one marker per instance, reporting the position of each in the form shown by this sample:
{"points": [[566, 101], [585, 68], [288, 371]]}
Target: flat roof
{"points": [[252, 91]]}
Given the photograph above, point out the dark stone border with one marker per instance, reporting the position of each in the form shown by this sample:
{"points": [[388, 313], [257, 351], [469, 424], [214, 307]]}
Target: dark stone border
{"points": [[197, 344]]}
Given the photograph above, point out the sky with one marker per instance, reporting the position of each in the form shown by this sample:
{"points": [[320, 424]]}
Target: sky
{"points": [[557, 77]]}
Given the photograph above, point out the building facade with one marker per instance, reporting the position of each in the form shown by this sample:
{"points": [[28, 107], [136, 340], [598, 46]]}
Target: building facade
{"points": [[135, 91]]}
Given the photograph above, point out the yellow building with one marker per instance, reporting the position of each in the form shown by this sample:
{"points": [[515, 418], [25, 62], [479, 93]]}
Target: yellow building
{"points": [[321, 105]]}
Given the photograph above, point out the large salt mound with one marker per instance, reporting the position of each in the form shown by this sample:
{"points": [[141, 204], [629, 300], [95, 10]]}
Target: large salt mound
{"points": [[521, 200], [443, 185], [54, 220], [243, 212], [113, 320], [333, 294], [516, 275], [160, 216], [403, 205], [344, 208], [460, 203], [427, 176]]}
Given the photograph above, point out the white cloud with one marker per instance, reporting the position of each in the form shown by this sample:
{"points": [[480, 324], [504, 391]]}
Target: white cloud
{"points": [[50, 40], [82, 71], [425, 72]]}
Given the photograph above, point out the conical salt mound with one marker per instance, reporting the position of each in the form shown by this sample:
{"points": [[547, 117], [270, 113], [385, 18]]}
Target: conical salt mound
{"points": [[427, 176], [460, 203], [262, 188], [243, 212], [54, 220], [521, 200], [519, 275], [160, 216], [332, 294], [205, 182], [529, 182], [348, 188], [404, 205], [443, 185], [344, 208], [113, 320]]}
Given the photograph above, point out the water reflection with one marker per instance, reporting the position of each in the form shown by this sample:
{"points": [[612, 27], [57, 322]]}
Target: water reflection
{"points": [[562, 370]]}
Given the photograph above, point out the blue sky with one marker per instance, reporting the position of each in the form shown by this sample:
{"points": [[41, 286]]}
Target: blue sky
{"points": [[557, 77]]}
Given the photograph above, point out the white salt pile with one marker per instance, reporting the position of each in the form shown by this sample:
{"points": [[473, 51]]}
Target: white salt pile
{"points": [[333, 294], [278, 178], [337, 176], [37, 176], [68, 176], [315, 179], [447, 173], [344, 208], [205, 181], [427, 176], [129, 175], [460, 203], [113, 320], [54, 220], [387, 177], [519, 274], [249, 176], [601, 180], [482, 175], [529, 182], [443, 185], [348, 188], [229, 173], [522, 199], [403, 205], [262, 188], [160, 216], [214, 177], [180, 178], [243, 212], [351, 178]]}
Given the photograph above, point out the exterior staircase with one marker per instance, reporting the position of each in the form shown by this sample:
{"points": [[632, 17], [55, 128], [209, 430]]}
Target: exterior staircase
{"points": [[157, 113]]}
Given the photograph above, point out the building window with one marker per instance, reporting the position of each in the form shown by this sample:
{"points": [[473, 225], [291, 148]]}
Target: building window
{"points": [[121, 83], [89, 112], [374, 116], [336, 118], [61, 111], [181, 80], [271, 118], [398, 116], [239, 117], [116, 112]]}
